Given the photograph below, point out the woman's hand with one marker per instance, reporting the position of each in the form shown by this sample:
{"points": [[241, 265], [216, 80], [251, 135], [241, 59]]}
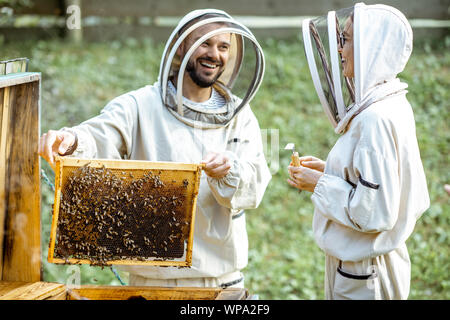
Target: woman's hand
{"points": [[217, 165], [303, 178], [307, 175], [312, 163]]}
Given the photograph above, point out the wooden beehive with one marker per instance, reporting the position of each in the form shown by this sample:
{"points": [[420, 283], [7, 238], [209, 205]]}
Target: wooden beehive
{"points": [[19, 177], [123, 212], [16, 290], [92, 292]]}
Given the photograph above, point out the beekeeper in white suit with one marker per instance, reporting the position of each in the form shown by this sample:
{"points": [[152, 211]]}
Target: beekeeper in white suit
{"points": [[372, 189], [190, 115]]}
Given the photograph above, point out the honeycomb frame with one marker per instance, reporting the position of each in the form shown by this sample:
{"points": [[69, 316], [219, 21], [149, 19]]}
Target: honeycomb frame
{"points": [[170, 178]]}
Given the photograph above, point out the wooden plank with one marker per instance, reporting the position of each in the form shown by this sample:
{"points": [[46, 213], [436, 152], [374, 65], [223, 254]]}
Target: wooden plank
{"points": [[5, 160], [194, 206], [159, 262], [21, 256], [93, 292], [59, 296], [56, 204], [148, 293], [111, 32], [2, 91], [128, 164], [43, 7], [7, 286], [15, 290], [109, 8], [15, 79], [431, 9], [232, 294], [4, 126], [11, 34], [161, 33]]}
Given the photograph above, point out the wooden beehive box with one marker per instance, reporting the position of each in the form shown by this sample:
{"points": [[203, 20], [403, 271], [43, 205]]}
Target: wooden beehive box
{"points": [[17, 290], [19, 177], [93, 292], [123, 212]]}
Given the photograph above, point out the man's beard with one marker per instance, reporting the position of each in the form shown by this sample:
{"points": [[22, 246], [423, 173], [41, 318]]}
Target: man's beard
{"points": [[198, 79]]}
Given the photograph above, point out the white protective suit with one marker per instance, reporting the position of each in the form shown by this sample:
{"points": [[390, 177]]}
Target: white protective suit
{"points": [[373, 189], [139, 126]]}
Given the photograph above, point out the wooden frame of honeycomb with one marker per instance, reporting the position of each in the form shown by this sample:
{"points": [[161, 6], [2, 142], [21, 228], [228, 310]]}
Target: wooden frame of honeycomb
{"points": [[123, 212]]}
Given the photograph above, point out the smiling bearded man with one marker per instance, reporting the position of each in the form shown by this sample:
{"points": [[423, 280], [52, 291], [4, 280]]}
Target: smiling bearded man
{"points": [[190, 115], [208, 64]]}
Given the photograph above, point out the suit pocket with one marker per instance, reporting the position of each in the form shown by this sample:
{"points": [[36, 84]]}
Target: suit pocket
{"points": [[349, 286], [362, 205]]}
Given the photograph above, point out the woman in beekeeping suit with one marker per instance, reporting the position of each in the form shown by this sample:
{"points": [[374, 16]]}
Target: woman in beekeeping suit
{"points": [[372, 189]]}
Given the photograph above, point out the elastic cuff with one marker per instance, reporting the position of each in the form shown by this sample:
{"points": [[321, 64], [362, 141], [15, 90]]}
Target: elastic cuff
{"points": [[318, 184], [232, 178]]}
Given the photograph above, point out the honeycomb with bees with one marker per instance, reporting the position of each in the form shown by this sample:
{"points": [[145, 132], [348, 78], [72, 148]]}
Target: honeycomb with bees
{"points": [[123, 212]]}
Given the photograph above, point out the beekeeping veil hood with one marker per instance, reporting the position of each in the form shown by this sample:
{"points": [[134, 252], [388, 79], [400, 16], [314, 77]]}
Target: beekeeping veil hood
{"points": [[245, 58], [382, 44]]}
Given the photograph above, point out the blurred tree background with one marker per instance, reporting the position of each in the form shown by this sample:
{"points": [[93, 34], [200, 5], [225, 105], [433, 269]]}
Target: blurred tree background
{"points": [[79, 79]]}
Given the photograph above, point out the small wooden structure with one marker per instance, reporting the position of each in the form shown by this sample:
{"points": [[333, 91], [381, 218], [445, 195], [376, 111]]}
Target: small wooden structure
{"points": [[20, 237], [20, 242]]}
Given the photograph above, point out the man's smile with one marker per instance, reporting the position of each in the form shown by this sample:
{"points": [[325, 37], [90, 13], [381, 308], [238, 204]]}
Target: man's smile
{"points": [[209, 64]]}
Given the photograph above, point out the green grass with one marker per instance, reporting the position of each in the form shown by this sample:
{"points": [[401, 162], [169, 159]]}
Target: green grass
{"points": [[284, 261]]}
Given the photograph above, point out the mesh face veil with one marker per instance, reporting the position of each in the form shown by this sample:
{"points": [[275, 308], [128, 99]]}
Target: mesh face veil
{"points": [[323, 38], [354, 56], [243, 71]]}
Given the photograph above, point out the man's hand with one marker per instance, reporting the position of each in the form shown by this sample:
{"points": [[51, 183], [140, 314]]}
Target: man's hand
{"points": [[53, 143], [217, 165]]}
